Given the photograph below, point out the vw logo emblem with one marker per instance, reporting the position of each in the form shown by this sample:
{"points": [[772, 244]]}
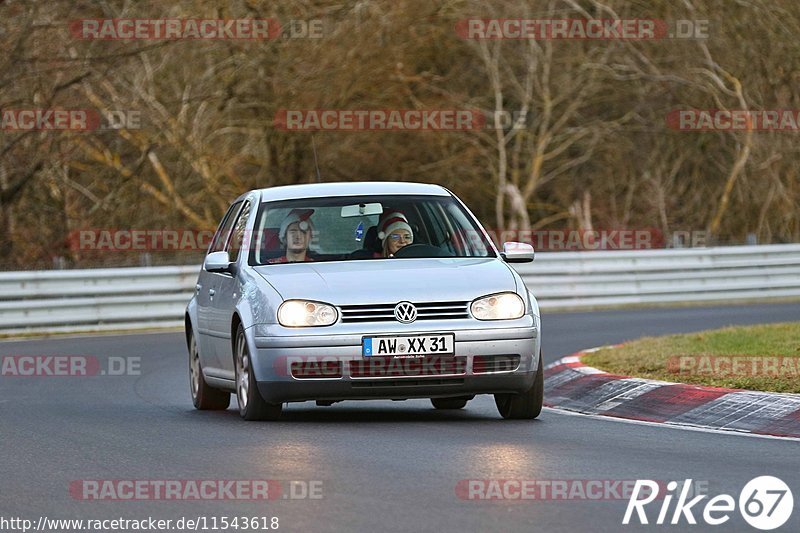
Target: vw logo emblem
{"points": [[405, 312]]}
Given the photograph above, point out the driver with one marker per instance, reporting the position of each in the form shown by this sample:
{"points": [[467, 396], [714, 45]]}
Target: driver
{"points": [[395, 232], [295, 233]]}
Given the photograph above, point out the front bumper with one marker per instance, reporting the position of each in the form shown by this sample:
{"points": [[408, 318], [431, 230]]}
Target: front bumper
{"points": [[273, 356], [399, 389]]}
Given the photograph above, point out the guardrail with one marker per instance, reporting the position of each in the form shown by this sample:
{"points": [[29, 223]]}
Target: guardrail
{"points": [[131, 298], [595, 279]]}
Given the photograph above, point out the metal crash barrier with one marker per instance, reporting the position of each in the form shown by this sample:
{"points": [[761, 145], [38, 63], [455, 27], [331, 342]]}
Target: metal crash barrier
{"points": [[155, 297]]}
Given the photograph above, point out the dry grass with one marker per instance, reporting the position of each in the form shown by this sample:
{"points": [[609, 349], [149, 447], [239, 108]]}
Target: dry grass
{"points": [[765, 357]]}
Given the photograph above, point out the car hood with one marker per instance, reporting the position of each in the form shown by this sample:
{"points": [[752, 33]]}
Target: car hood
{"points": [[391, 280]]}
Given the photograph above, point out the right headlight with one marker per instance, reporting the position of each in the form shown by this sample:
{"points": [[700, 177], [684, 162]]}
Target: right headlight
{"points": [[303, 313], [502, 306]]}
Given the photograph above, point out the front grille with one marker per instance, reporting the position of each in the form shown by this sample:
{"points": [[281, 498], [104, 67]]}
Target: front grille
{"points": [[483, 364], [385, 312], [385, 367]]}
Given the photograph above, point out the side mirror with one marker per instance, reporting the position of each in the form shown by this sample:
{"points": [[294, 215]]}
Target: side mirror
{"points": [[217, 262], [517, 252]]}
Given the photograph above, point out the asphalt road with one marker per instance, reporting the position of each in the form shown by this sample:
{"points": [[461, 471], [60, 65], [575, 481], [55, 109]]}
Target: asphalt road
{"points": [[383, 466]]}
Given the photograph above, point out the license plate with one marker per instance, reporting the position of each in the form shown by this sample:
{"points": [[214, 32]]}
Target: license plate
{"points": [[409, 345]]}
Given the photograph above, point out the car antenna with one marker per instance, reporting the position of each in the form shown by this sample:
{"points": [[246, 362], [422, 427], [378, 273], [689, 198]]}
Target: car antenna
{"points": [[316, 165]]}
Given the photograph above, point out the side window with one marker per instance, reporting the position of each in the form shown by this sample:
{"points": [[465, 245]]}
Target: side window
{"points": [[221, 236], [237, 236]]}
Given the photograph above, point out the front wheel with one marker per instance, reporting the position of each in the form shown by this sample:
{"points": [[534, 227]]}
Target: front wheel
{"points": [[526, 405], [251, 405], [204, 397]]}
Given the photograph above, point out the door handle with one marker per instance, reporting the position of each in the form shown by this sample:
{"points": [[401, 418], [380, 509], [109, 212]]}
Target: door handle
{"points": [[211, 292], [198, 287]]}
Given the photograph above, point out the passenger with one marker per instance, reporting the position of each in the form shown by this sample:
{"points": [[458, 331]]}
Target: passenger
{"points": [[295, 233], [395, 232]]}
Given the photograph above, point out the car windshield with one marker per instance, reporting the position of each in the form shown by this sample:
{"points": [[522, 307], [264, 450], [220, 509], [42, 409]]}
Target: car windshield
{"points": [[365, 228]]}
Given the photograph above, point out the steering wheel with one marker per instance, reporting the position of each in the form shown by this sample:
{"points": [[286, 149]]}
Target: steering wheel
{"points": [[421, 250]]}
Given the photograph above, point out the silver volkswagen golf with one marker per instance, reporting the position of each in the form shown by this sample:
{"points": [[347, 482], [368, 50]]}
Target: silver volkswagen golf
{"points": [[355, 291]]}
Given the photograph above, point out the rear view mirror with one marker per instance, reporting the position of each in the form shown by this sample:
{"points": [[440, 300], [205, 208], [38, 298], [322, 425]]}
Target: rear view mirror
{"points": [[360, 210]]}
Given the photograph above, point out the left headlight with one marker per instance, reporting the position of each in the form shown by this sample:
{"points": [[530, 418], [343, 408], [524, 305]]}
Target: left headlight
{"points": [[503, 306], [303, 313]]}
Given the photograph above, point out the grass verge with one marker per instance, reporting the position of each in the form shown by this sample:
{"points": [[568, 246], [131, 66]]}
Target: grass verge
{"points": [[764, 357]]}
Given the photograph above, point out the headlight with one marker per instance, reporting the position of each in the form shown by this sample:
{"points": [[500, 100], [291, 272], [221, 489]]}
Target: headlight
{"points": [[503, 306], [301, 313]]}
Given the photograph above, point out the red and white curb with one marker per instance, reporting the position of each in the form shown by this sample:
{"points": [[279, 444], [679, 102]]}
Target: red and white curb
{"points": [[571, 385]]}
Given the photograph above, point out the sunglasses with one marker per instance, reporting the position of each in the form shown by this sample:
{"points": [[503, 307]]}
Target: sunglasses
{"points": [[398, 236]]}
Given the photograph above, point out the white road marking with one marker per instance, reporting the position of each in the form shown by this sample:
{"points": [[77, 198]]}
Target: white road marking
{"points": [[669, 425]]}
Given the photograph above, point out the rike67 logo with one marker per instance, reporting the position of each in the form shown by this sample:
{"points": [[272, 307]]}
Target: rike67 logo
{"points": [[765, 503]]}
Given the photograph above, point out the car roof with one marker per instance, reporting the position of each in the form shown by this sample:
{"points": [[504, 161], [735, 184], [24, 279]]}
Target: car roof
{"points": [[352, 188]]}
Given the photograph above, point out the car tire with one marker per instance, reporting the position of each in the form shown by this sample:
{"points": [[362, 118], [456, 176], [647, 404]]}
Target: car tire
{"points": [[457, 402], [251, 405], [526, 405], [204, 397]]}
